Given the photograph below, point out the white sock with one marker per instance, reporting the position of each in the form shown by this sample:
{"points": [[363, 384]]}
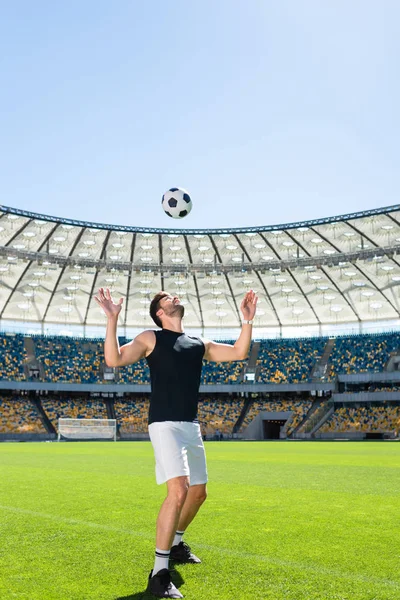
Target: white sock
{"points": [[161, 561], [178, 538]]}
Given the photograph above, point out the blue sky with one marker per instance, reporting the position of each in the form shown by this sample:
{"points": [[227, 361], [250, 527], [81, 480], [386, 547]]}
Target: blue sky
{"points": [[266, 112]]}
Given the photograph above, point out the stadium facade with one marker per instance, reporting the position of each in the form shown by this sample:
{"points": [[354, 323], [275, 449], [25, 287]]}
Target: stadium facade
{"points": [[339, 274]]}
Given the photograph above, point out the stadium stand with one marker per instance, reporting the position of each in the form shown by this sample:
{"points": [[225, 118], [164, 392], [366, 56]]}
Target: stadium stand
{"points": [[219, 415], [214, 415], [56, 408], [279, 361], [12, 357], [362, 353], [222, 372], [384, 388], [288, 361], [384, 418], [131, 415], [19, 415], [137, 373], [78, 360], [70, 359]]}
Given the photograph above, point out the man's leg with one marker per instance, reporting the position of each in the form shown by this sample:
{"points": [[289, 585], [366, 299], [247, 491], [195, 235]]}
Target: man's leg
{"points": [[180, 551], [168, 517], [196, 495], [159, 579]]}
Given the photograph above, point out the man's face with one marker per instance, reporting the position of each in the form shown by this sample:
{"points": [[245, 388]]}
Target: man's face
{"points": [[172, 307]]}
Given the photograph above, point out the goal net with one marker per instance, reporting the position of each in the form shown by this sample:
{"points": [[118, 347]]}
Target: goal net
{"points": [[87, 429]]}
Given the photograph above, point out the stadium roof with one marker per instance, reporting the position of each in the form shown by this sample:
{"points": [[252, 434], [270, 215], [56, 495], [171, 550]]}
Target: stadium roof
{"points": [[335, 270]]}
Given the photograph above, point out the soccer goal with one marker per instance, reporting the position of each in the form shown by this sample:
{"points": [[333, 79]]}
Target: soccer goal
{"points": [[87, 429]]}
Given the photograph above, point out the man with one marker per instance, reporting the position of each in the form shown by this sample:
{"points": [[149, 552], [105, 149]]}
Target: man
{"points": [[175, 361]]}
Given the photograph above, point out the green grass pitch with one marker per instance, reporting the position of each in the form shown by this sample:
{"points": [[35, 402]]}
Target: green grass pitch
{"points": [[283, 521]]}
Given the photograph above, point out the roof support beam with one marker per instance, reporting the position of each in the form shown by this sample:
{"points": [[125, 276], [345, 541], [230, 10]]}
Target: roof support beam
{"points": [[128, 285], [195, 284], [103, 254], [160, 259]]}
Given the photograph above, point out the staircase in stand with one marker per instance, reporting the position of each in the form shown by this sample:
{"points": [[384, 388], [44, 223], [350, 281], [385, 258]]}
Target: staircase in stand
{"points": [[251, 367], [110, 408], [316, 420], [48, 425], [109, 402], [322, 415], [33, 368], [393, 362], [313, 408], [244, 411], [29, 348], [320, 368]]}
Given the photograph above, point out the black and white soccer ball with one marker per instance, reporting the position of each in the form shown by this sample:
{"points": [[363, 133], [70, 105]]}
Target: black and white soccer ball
{"points": [[176, 203]]}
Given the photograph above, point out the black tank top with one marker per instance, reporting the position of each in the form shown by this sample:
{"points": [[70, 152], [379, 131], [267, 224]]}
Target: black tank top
{"points": [[175, 370]]}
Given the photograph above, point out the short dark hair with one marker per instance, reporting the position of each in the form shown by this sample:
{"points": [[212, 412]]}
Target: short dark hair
{"points": [[154, 307]]}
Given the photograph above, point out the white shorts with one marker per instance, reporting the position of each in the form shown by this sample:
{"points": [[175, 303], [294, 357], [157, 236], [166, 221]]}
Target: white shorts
{"points": [[179, 451]]}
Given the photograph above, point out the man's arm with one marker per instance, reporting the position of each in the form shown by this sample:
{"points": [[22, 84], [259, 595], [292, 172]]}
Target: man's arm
{"points": [[217, 352], [239, 351], [130, 353], [116, 356]]}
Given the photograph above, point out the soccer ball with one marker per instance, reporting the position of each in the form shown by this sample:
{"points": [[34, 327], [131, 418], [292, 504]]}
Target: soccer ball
{"points": [[176, 203]]}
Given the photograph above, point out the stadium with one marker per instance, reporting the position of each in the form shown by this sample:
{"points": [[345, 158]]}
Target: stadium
{"points": [[324, 361], [322, 373]]}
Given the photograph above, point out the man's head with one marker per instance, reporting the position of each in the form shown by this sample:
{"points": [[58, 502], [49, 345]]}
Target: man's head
{"points": [[164, 304]]}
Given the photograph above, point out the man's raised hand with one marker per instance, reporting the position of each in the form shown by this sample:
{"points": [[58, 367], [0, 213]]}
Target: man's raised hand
{"points": [[248, 306], [108, 305]]}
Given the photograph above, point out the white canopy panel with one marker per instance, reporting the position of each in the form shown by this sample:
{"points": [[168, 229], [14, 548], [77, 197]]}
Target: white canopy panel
{"points": [[327, 271]]}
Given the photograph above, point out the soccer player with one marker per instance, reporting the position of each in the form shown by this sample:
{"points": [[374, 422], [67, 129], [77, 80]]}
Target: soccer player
{"points": [[175, 362]]}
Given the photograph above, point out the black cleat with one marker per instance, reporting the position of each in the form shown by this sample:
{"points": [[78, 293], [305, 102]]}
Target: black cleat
{"points": [[181, 553], [160, 585]]}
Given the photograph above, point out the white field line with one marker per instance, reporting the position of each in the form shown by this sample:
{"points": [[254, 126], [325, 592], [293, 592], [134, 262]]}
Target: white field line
{"points": [[225, 551]]}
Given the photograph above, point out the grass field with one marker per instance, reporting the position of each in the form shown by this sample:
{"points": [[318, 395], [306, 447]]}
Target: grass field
{"points": [[284, 520]]}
